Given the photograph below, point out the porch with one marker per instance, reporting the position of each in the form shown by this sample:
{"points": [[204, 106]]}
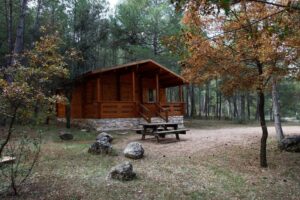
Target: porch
{"points": [[131, 109]]}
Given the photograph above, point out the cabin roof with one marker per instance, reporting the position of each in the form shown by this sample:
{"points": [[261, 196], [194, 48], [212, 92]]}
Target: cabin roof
{"points": [[147, 68]]}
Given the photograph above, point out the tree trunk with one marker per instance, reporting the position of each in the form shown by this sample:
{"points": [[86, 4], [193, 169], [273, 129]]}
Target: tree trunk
{"points": [[19, 43], [220, 105], [263, 146], [230, 113], [68, 108], [206, 104], [9, 21], [261, 110], [235, 109], [276, 110], [192, 94], [217, 100], [257, 109], [187, 100], [36, 27], [10, 130], [248, 106], [200, 103], [243, 113]]}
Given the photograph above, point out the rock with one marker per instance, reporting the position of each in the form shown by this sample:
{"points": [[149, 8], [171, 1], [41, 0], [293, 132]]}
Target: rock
{"points": [[7, 160], [106, 135], [134, 150], [100, 146], [290, 144], [123, 172], [65, 135]]}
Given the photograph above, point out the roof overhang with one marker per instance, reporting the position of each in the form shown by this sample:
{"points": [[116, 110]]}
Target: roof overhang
{"points": [[144, 68]]}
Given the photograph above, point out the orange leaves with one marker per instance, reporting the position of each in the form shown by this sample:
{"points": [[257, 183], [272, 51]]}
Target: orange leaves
{"points": [[246, 47], [33, 83]]}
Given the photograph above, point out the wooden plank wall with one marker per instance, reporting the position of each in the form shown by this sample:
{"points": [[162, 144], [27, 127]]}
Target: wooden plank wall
{"points": [[109, 87], [126, 87], [76, 107]]}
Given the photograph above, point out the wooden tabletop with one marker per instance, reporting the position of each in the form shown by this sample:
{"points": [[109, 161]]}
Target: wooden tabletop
{"points": [[159, 124]]}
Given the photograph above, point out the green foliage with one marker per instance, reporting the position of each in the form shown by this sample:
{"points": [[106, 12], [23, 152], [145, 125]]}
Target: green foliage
{"points": [[289, 94], [26, 89], [33, 84], [140, 28]]}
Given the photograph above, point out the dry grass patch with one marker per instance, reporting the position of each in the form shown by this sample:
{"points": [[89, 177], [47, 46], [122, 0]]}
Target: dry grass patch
{"points": [[204, 165]]}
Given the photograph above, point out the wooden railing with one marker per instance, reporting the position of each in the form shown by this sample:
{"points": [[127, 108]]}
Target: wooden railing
{"points": [[116, 109], [162, 112], [145, 113], [174, 108], [129, 109]]}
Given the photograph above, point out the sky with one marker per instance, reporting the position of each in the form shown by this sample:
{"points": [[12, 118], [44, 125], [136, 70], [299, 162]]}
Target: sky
{"points": [[113, 2]]}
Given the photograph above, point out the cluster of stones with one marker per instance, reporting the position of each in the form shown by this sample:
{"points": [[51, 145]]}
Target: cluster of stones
{"points": [[124, 171], [102, 144]]}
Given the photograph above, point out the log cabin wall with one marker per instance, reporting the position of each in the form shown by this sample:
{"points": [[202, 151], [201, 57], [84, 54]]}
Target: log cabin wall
{"points": [[76, 103], [126, 87], [109, 87]]}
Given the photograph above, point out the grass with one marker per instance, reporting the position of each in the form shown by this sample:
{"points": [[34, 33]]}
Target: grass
{"points": [[219, 124], [66, 171]]}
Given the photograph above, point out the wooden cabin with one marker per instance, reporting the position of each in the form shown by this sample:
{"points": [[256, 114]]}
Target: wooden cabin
{"points": [[134, 90]]}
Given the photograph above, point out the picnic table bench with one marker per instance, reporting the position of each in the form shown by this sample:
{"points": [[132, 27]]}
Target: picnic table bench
{"points": [[160, 130]]}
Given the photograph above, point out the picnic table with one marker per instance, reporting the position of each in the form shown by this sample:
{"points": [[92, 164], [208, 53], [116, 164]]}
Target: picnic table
{"points": [[160, 130]]}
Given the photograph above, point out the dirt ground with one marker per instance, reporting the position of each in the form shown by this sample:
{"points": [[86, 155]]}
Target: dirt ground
{"points": [[203, 140]]}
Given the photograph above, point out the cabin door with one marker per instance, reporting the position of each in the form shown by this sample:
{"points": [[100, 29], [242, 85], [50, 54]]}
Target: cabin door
{"points": [[148, 91]]}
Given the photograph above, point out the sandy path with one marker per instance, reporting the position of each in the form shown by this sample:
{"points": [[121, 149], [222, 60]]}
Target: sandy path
{"points": [[202, 139]]}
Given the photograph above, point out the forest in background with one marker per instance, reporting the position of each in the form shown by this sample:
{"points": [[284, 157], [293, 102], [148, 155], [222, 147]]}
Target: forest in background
{"points": [[134, 30]]}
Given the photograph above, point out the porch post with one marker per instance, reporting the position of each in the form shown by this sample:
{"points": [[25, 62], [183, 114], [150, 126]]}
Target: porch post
{"points": [[99, 97], [133, 86], [180, 94], [98, 90], [157, 88], [118, 88]]}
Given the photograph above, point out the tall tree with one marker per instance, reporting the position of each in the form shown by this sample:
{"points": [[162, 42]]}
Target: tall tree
{"points": [[240, 48], [276, 109], [19, 42]]}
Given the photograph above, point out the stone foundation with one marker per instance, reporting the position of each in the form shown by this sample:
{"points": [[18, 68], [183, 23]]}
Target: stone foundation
{"points": [[119, 123]]}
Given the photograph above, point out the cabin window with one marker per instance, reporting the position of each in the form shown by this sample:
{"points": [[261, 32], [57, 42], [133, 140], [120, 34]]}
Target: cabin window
{"points": [[151, 95]]}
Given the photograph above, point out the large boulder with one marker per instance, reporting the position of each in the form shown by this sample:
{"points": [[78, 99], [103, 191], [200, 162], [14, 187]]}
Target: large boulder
{"points": [[134, 150], [105, 135], [65, 135], [123, 172], [290, 144], [100, 147]]}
